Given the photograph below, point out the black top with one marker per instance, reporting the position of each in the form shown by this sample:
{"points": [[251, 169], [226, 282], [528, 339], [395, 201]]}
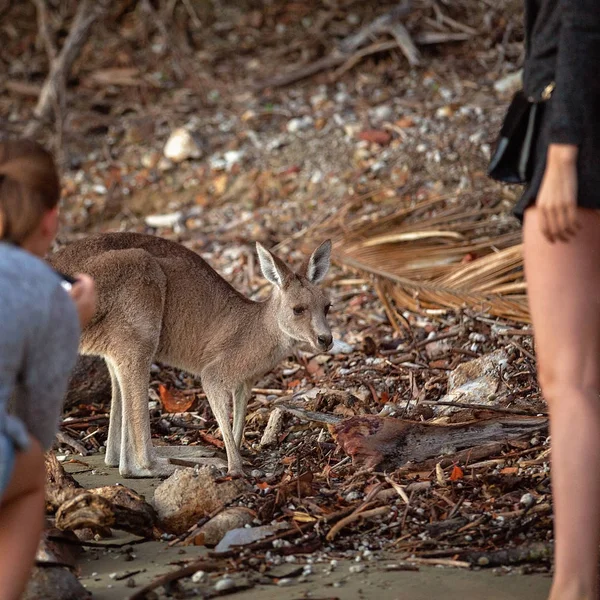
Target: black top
{"points": [[562, 44]]}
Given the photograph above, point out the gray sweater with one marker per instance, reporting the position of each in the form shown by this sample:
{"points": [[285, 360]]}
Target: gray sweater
{"points": [[39, 335]]}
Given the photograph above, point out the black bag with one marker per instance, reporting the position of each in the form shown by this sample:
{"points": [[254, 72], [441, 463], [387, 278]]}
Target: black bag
{"points": [[512, 161]]}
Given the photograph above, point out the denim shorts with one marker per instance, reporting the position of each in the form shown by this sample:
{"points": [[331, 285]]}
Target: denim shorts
{"points": [[7, 462]]}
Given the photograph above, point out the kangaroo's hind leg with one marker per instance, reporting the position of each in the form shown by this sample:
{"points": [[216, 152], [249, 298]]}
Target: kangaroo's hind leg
{"points": [[132, 289], [113, 443]]}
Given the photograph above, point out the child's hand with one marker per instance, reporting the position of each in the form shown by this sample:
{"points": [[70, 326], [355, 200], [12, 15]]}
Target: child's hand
{"points": [[83, 294]]}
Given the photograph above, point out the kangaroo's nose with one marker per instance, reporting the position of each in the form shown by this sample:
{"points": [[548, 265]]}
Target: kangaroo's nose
{"points": [[325, 340]]}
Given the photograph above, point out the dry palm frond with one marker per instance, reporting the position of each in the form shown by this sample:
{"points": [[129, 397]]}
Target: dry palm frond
{"points": [[439, 254]]}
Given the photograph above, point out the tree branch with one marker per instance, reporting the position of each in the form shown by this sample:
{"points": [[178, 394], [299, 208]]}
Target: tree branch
{"points": [[88, 11]]}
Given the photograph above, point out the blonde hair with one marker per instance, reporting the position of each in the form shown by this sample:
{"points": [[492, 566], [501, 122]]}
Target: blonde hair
{"points": [[29, 187]]}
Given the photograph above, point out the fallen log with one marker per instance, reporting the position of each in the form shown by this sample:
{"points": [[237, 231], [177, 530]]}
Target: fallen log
{"points": [[386, 442]]}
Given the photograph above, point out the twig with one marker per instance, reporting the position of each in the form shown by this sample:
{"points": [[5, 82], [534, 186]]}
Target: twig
{"points": [[44, 29], [522, 350], [405, 43], [359, 515], [380, 25], [187, 571], [88, 11], [67, 440], [444, 562], [492, 407]]}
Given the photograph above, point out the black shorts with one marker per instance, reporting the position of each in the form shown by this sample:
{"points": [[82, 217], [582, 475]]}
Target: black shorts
{"points": [[588, 166]]}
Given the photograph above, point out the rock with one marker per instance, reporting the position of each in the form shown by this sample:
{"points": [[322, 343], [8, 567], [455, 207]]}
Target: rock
{"points": [[181, 145], [164, 164], [341, 347], [150, 160], [167, 220], [54, 583], [189, 495], [199, 577], [232, 157], [298, 124], [247, 535], [383, 112], [90, 382], [211, 533], [527, 500], [477, 381], [273, 429], [510, 83], [224, 584], [438, 348], [444, 112]]}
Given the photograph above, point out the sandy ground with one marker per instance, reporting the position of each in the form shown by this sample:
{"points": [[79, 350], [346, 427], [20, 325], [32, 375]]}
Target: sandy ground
{"points": [[110, 573]]}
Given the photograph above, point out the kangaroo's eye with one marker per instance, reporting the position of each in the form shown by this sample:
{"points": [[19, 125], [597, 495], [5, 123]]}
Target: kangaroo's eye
{"points": [[298, 310], [327, 309]]}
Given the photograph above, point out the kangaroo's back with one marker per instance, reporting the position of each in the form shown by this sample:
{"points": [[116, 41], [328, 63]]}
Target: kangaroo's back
{"points": [[196, 303], [158, 300]]}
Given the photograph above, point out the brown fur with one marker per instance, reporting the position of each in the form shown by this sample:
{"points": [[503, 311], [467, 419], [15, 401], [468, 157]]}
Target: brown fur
{"points": [[157, 300]]}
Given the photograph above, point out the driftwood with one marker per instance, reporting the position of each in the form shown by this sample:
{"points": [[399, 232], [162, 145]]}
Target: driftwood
{"points": [[391, 443], [76, 508], [90, 382], [348, 50], [60, 486], [533, 553], [88, 11], [110, 507], [58, 548]]}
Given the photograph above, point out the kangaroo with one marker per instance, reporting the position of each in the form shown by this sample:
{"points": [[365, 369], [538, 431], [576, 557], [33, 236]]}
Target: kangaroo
{"points": [[158, 300]]}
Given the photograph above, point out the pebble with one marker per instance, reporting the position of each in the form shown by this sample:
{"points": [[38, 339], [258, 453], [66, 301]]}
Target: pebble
{"points": [[232, 157], [285, 582], [224, 584], [257, 474], [168, 220], [527, 500], [180, 146], [131, 582], [356, 568], [199, 577], [383, 112], [298, 124]]}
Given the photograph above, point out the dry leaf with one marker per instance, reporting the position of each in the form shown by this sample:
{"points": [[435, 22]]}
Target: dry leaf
{"points": [[174, 402], [457, 473], [375, 136]]}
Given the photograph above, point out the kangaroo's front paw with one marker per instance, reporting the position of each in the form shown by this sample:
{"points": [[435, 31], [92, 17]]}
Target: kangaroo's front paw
{"points": [[159, 467]]}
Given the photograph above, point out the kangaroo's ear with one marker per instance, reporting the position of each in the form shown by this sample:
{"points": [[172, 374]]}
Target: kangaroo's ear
{"points": [[319, 262], [272, 267]]}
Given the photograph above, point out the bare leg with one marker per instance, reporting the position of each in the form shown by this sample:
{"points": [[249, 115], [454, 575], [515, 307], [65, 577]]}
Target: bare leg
{"points": [[240, 402], [21, 521], [113, 443], [564, 296], [218, 398]]}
